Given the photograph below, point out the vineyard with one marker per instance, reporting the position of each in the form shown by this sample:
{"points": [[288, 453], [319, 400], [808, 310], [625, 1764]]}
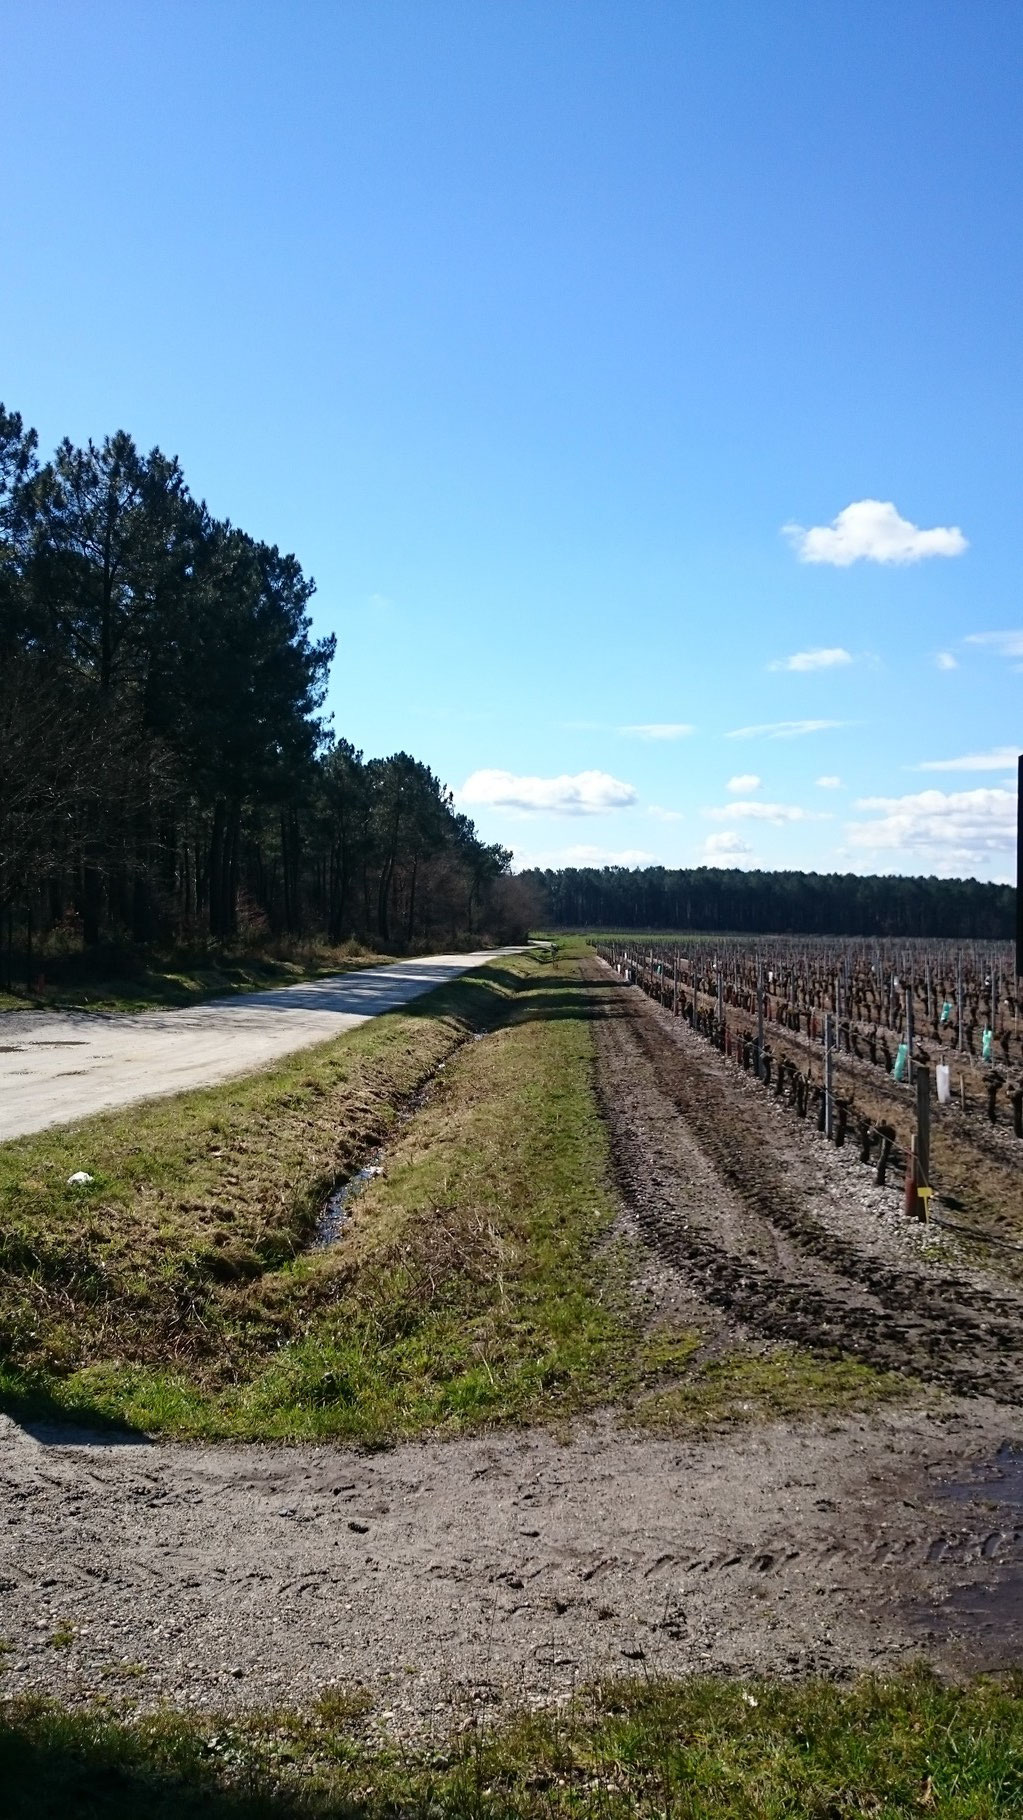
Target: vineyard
{"points": [[914, 1054]]}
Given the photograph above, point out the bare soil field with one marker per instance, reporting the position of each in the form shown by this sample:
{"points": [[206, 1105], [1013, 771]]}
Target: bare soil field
{"points": [[513, 1565], [788, 1235]]}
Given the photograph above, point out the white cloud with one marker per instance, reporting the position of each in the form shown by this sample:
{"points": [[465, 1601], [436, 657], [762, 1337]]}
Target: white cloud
{"points": [[829, 783], [871, 530], [1004, 644], [943, 660], [665, 815], [830, 659], [1003, 758], [948, 829], [659, 729], [587, 793], [777, 813], [583, 855], [744, 784], [784, 729], [723, 849]]}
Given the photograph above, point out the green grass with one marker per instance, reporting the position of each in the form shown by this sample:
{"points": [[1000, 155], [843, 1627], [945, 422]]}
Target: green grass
{"points": [[743, 1386], [696, 1750]]}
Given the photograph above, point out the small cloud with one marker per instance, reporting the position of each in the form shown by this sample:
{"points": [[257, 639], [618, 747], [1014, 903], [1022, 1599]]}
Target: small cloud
{"points": [[871, 530], [665, 815], [830, 659], [777, 813], [829, 783], [1003, 644], [943, 660], [583, 855], [785, 729], [721, 849], [744, 784], [659, 729], [1003, 758], [587, 793], [950, 830], [379, 603]]}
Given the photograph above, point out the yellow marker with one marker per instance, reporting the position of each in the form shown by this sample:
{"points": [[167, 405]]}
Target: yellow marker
{"points": [[925, 1195]]}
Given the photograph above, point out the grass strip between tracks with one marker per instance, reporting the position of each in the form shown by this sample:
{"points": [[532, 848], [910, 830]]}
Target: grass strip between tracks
{"points": [[477, 1282], [698, 1750]]}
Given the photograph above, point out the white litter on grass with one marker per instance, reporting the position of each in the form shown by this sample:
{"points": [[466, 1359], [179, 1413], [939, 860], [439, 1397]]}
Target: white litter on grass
{"points": [[79, 1179]]}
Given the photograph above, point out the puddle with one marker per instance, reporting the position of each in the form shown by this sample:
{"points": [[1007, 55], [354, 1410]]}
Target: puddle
{"points": [[998, 1481], [986, 1614], [337, 1211]]}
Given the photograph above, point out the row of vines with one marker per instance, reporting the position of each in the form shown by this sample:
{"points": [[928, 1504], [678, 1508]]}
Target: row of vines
{"points": [[907, 1050]]}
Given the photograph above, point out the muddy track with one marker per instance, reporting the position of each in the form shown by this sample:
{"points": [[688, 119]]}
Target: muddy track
{"points": [[759, 1250]]}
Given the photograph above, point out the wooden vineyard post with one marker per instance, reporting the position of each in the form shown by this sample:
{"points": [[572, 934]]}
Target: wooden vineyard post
{"points": [[760, 1014], [959, 1002], [829, 1084], [1019, 879], [912, 1205]]}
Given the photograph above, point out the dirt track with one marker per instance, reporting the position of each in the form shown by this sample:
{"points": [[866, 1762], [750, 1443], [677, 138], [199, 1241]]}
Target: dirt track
{"points": [[512, 1567], [501, 1568], [788, 1235]]}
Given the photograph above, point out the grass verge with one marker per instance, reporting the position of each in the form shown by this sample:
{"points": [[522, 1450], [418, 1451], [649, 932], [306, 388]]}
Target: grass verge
{"points": [[697, 1750], [175, 1293], [174, 1276], [134, 982]]}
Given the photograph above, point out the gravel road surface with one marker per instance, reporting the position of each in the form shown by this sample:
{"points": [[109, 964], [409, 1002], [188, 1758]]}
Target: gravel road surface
{"points": [[59, 1066], [504, 1568]]}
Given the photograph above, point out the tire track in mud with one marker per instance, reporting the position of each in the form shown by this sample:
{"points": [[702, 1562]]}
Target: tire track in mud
{"points": [[820, 1291]]}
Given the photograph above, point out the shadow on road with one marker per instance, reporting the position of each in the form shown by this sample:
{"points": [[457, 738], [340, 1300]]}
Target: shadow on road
{"points": [[54, 1424]]}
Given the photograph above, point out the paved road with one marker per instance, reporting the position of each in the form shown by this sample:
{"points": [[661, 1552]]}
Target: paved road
{"points": [[59, 1066]]}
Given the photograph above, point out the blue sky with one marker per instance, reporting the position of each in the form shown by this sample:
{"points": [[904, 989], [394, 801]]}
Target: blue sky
{"points": [[529, 327]]}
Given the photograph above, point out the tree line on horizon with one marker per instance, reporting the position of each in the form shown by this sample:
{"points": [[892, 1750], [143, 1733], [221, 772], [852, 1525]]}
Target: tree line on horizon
{"points": [[724, 900], [166, 773]]}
